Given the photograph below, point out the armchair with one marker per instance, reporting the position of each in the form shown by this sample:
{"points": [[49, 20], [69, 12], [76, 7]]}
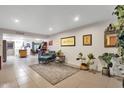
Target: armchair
{"points": [[46, 57]]}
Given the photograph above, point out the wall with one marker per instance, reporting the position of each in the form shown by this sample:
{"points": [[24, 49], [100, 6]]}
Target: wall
{"points": [[1, 47], [97, 48]]}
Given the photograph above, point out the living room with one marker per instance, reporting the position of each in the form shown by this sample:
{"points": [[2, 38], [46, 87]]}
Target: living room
{"points": [[78, 40]]}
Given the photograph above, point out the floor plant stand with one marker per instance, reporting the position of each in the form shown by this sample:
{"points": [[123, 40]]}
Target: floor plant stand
{"points": [[60, 59]]}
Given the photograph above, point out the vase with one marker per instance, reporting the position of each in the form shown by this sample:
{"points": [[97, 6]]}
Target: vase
{"points": [[84, 66]]}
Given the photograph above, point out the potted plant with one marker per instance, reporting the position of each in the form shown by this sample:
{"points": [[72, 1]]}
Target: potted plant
{"points": [[119, 27], [83, 65], [90, 61], [107, 59], [59, 53], [60, 56]]}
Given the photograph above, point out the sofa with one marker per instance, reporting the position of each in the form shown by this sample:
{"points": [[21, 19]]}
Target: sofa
{"points": [[46, 57]]}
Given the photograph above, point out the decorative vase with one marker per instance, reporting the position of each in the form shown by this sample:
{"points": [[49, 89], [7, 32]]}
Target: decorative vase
{"points": [[84, 66]]}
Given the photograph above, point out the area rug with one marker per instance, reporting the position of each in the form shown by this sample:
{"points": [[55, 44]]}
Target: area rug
{"points": [[54, 72]]}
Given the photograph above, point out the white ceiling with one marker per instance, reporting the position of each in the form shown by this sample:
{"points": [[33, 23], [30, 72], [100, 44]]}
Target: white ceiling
{"points": [[38, 19]]}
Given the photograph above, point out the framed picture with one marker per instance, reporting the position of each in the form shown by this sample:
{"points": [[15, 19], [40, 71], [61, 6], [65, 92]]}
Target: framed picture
{"points": [[87, 40], [110, 39], [10, 45], [68, 41], [51, 43]]}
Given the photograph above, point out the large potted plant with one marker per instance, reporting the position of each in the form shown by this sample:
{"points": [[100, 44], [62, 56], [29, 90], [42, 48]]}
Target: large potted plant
{"points": [[106, 57], [83, 65], [59, 53], [91, 61], [119, 27], [60, 56]]}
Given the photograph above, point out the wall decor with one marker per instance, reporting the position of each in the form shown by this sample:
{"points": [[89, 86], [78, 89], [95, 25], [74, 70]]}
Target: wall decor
{"points": [[110, 39], [68, 41], [50, 42], [10, 45], [57, 42], [87, 40]]}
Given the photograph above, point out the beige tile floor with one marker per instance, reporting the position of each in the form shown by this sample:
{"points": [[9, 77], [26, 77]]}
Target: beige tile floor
{"points": [[16, 73]]}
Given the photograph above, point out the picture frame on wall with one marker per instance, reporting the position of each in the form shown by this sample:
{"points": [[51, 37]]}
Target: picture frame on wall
{"points": [[50, 42], [110, 39], [10, 45], [68, 41], [87, 40]]}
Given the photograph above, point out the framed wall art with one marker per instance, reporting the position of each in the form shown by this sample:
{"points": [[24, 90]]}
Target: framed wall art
{"points": [[87, 40], [110, 39], [50, 42], [68, 41]]}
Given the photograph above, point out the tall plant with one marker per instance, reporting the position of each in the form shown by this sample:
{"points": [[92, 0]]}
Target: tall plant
{"points": [[119, 27], [90, 59]]}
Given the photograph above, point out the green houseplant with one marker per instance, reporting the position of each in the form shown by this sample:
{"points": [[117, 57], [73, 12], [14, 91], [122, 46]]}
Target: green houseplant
{"points": [[106, 57], [59, 53], [90, 63], [60, 57], [90, 59], [80, 57], [83, 66], [119, 27]]}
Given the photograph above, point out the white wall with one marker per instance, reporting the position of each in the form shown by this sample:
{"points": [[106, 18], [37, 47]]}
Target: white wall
{"points": [[1, 36], [97, 48]]}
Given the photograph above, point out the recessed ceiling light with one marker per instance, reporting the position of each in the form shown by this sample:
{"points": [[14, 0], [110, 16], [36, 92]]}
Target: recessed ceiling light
{"points": [[76, 18], [37, 39], [16, 20], [50, 29]]}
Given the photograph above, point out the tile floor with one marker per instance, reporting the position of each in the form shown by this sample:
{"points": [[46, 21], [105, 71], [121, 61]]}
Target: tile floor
{"points": [[16, 73]]}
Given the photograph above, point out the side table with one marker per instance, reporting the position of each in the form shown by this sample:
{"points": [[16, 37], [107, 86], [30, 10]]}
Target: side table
{"points": [[60, 59]]}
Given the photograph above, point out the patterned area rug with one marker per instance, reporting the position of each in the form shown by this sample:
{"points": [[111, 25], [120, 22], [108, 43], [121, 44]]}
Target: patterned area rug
{"points": [[54, 72]]}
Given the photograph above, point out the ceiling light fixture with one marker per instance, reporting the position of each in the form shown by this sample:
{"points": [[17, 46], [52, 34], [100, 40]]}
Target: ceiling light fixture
{"points": [[76, 18], [50, 29], [16, 21]]}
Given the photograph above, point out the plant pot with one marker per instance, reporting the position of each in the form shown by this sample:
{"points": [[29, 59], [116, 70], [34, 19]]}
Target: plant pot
{"points": [[110, 65], [84, 66], [105, 71]]}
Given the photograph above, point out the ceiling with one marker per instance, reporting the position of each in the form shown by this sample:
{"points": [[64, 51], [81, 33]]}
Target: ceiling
{"points": [[47, 20]]}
